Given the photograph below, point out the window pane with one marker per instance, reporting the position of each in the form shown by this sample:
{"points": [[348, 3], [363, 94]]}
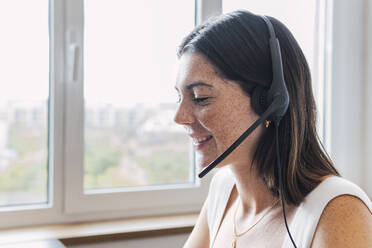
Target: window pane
{"points": [[130, 101], [24, 86]]}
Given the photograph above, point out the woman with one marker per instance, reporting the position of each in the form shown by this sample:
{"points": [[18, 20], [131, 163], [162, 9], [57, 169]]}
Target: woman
{"points": [[221, 64]]}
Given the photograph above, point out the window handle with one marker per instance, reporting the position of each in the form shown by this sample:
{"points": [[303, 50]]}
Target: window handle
{"points": [[73, 54], [73, 62]]}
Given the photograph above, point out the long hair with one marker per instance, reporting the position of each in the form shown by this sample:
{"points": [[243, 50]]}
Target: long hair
{"points": [[237, 45]]}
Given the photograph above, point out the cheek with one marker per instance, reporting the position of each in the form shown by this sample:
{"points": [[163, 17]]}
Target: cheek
{"points": [[226, 123], [210, 117], [223, 124]]}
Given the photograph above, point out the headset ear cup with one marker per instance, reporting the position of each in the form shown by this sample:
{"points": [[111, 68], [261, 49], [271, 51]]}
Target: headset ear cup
{"points": [[258, 100]]}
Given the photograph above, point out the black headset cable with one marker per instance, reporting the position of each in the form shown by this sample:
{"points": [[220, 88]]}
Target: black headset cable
{"points": [[281, 178]]}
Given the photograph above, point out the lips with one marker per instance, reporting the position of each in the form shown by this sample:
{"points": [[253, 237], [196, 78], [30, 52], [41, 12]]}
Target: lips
{"points": [[201, 140], [200, 143]]}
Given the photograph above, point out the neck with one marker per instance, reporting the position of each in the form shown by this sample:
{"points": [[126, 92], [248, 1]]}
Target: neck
{"points": [[254, 194]]}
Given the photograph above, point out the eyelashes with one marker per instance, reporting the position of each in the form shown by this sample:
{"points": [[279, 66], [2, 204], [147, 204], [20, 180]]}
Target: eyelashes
{"points": [[202, 101], [196, 100], [199, 100]]}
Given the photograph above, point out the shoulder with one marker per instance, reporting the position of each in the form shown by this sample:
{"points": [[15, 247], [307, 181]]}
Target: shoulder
{"points": [[199, 236], [219, 193], [346, 220], [222, 175], [221, 182], [220, 187]]}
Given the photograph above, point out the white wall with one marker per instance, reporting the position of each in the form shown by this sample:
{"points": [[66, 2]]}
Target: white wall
{"points": [[350, 91], [367, 103]]}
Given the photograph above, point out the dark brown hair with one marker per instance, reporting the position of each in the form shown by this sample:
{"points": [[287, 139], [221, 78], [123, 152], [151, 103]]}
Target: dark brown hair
{"points": [[237, 45]]}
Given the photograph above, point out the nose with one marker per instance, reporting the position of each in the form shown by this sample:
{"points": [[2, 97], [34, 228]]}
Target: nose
{"points": [[184, 115]]}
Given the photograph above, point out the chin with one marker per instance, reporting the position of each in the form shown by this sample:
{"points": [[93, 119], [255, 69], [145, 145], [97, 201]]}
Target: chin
{"points": [[203, 162]]}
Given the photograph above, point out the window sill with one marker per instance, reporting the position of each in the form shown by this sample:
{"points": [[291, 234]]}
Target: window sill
{"points": [[86, 232]]}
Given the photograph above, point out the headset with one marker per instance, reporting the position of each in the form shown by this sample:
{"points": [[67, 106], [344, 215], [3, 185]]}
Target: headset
{"points": [[271, 105]]}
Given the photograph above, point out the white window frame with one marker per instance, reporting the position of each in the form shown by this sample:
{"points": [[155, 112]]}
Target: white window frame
{"points": [[141, 201], [321, 71], [51, 212]]}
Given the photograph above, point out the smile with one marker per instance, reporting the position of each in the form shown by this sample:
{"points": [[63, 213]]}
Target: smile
{"points": [[200, 142]]}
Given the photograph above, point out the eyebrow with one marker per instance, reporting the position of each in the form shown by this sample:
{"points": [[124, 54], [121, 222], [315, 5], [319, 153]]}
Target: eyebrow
{"points": [[195, 84]]}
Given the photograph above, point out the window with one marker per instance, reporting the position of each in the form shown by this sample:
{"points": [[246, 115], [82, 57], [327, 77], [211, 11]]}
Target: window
{"points": [[24, 102], [123, 152], [86, 113], [130, 137]]}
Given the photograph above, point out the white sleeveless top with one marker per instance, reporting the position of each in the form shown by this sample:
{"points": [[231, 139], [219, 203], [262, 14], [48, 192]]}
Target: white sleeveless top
{"points": [[306, 218]]}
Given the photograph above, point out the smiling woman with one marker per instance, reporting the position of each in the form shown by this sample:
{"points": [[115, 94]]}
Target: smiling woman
{"points": [[231, 54]]}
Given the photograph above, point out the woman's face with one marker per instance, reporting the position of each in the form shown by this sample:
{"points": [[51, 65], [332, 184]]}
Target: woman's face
{"points": [[214, 111]]}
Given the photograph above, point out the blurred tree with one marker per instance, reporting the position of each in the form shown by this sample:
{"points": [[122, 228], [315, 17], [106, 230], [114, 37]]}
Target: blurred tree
{"points": [[166, 167]]}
